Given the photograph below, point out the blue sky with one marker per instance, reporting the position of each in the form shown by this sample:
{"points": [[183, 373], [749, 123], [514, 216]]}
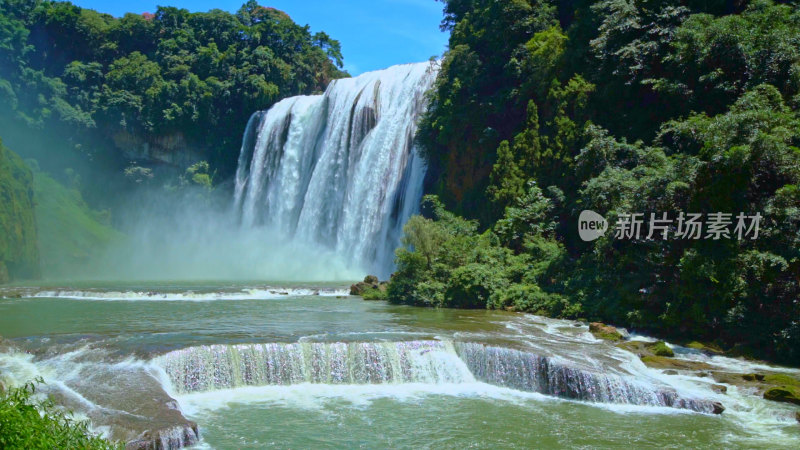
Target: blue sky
{"points": [[375, 34]]}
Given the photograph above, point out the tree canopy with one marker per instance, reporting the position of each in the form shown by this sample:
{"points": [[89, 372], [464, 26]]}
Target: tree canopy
{"points": [[545, 109], [115, 89]]}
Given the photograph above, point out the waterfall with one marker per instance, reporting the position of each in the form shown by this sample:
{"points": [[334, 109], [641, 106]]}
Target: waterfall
{"points": [[339, 169], [530, 372], [208, 368]]}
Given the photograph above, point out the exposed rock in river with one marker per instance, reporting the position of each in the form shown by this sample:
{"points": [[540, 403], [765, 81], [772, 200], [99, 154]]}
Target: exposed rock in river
{"points": [[124, 400], [643, 349], [603, 331], [786, 394], [661, 362], [778, 387], [370, 288]]}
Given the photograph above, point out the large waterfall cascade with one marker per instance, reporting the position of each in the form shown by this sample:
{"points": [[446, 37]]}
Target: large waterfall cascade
{"points": [[339, 169], [215, 367]]}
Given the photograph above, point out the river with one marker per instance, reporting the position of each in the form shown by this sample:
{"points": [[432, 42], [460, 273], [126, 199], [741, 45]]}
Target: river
{"points": [[295, 366]]}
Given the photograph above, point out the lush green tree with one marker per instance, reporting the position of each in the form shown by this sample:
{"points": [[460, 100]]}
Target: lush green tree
{"points": [[618, 106], [173, 81]]}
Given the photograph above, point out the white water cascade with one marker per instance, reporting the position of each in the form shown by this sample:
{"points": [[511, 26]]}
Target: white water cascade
{"points": [[339, 169], [215, 367]]}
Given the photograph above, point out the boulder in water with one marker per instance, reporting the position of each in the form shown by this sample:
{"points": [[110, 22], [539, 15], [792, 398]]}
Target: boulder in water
{"points": [[603, 331], [753, 377], [370, 289], [662, 362], [785, 394], [719, 388], [718, 408], [797, 416], [709, 349], [660, 348], [777, 387]]}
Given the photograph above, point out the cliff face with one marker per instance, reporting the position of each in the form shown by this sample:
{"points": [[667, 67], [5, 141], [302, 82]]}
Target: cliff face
{"points": [[19, 254], [171, 149]]}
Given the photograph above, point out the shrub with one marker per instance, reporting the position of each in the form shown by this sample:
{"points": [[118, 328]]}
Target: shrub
{"points": [[28, 423]]}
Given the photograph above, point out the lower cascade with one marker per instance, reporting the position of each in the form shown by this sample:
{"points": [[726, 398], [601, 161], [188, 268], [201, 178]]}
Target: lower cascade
{"points": [[530, 372], [339, 169], [215, 367]]}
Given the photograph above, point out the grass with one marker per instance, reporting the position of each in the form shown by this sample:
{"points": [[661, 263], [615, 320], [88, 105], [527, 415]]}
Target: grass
{"points": [[69, 231]]}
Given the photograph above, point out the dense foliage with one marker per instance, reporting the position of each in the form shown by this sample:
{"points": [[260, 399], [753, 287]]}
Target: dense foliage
{"points": [[26, 423], [545, 109], [19, 256], [70, 232], [171, 86]]}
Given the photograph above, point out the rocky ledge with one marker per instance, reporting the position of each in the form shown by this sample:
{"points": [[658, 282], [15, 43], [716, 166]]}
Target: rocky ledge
{"points": [[125, 401], [131, 407]]}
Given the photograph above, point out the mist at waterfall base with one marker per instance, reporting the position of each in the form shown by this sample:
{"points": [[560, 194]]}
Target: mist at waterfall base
{"points": [[323, 188], [191, 237]]}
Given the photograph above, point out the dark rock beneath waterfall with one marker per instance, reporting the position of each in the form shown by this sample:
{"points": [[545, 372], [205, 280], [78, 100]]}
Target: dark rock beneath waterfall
{"points": [[719, 389], [718, 408], [797, 416], [168, 438]]}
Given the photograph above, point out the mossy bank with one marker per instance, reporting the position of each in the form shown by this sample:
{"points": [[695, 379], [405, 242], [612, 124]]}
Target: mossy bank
{"points": [[19, 254]]}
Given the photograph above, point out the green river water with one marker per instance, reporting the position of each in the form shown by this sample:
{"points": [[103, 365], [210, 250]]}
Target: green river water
{"points": [[349, 373]]}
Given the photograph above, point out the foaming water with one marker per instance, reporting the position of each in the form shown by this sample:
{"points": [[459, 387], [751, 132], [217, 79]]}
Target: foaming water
{"points": [[211, 368], [190, 296], [199, 369]]}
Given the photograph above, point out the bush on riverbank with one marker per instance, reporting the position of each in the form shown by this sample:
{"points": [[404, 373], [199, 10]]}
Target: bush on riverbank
{"points": [[447, 263], [27, 423]]}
